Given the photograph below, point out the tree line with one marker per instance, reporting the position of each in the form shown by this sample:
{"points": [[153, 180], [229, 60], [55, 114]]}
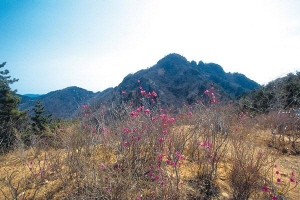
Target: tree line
{"points": [[14, 123]]}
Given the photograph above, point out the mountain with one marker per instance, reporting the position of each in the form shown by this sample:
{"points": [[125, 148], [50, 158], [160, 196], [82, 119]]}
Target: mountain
{"points": [[173, 78], [63, 103], [178, 81]]}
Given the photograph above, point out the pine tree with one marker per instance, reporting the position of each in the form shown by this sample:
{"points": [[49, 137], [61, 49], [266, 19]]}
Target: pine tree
{"points": [[40, 121], [9, 112]]}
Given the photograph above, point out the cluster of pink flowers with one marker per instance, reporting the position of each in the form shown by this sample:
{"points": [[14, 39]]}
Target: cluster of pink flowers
{"points": [[102, 166], [148, 95], [166, 119], [173, 163], [206, 144], [84, 106], [126, 144], [266, 189], [147, 111], [105, 130], [277, 173], [211, 94], [160, 156], [126, 130], [278, 180], [292, 178], [160, 140], [136, 112], [179, 156]]}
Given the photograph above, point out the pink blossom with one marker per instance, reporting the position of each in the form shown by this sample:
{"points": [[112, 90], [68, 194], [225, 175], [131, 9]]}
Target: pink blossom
{"points": [[277, 172], [163, 116], [152, 100], [153, 94], [143, 92], [165, 132], [153, 118], [123, 92], [293, 173], [274, 198], [147, 111], [207, 92], [292, 179], [278, 180], [104, 129], [108, 189], [84, 106], [171, 120], [206, 144], [179, 155], [275, 166], [102, 166], [169, 162], [160, 140], [265, 189], [126, 144], [133, 114], [158, 165], [125, 130], [160, 156], [138, 81]]}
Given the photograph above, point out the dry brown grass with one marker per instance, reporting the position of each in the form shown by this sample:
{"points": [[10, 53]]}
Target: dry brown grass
{"points": [[80, 167]]}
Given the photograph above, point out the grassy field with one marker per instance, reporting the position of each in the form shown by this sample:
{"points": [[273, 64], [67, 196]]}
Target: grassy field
{"points": [[201, 152]]}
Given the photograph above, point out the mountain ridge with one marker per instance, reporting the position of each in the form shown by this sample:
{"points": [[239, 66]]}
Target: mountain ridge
{"points": [[173, 78]]}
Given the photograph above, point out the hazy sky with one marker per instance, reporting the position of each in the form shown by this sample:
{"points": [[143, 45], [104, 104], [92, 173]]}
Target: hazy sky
{"points": [[94, 44]]}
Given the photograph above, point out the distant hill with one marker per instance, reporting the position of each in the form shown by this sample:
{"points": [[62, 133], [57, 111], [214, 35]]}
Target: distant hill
{"points": [[173, 78], [63, 103], [280, 94], [32, 95]]}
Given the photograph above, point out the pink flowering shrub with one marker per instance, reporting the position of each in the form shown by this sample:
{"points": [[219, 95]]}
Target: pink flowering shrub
{"points": [[139, 149]]}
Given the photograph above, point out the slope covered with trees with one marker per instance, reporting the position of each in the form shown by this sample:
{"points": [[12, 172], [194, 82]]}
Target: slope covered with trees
{"points": [[280, 94], [10, 115]]}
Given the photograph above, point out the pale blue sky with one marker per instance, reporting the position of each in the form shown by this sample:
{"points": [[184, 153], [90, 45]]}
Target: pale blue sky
{"points": [[94, 44]]}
